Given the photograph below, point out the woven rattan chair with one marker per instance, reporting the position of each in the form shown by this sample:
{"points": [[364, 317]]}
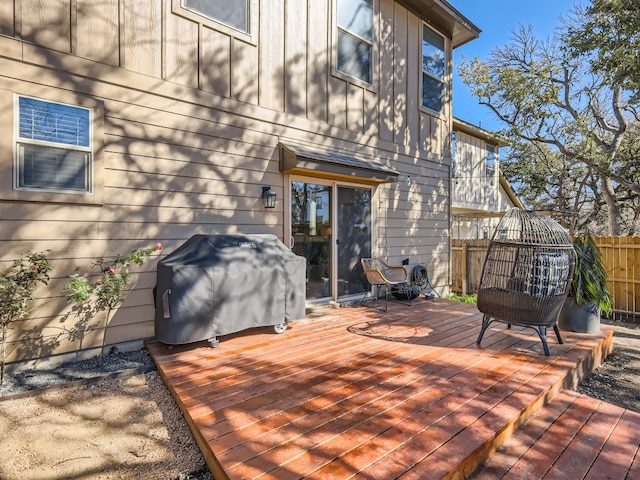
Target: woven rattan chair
{"points": [[526, 274], [382, 275]]}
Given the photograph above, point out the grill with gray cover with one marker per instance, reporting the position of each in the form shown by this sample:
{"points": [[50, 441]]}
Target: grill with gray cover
{"points": [[220, 284]]}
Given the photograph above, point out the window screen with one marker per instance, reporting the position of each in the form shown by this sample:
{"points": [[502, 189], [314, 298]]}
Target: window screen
{"points": [[53, 146]]}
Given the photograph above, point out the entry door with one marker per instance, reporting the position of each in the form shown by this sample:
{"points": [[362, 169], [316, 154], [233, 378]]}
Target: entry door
{"points": [[353, 241], [331, 228], [311, 229]]}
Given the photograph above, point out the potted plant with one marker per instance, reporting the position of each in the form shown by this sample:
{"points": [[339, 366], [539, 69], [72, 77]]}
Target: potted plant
{"points": [[589, 295], [318, 259]]}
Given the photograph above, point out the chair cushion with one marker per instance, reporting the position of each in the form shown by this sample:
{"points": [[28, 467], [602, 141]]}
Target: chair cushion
{"points": [[549, 274]]}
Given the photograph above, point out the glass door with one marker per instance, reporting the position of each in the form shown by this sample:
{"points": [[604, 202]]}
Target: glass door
{"points": [[331, 228], [354, 238], [311, 230]]}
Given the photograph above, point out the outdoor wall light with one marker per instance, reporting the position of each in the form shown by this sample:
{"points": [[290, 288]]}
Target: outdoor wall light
{"points": [[269, 197]]}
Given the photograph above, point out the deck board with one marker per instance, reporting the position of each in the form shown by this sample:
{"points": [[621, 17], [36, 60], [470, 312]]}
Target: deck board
{"points": [[359, 393], [574, 437]]}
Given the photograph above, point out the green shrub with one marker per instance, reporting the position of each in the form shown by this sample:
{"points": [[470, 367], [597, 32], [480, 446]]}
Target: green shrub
{"points": [[463, 298], [16, 292], [107, 292]]}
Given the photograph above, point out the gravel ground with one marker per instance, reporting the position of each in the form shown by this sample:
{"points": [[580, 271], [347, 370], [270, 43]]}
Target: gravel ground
{"points": [[617, 380], [84, 420], [87, 371], [115, 421]]}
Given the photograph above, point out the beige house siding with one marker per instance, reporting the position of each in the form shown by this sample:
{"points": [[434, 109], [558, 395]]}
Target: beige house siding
{"points": [[473, 189], [288, 70], [478, 200], [190, 121]]}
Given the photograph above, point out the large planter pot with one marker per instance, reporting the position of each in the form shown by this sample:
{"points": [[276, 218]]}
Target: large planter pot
{"points": [[585, 319]]}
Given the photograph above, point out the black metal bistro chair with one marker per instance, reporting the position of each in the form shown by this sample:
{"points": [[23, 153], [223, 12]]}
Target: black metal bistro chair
{"points": [[526, 275]]}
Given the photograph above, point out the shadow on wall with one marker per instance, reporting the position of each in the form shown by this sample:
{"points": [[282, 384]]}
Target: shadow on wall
{"points": [[185, 152]]}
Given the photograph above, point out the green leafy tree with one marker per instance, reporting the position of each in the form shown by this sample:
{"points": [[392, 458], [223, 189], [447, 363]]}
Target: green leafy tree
{"points": [[630, 156], [17, 285], [106, 291], [546, 97], [548, 181], [606, 33]]}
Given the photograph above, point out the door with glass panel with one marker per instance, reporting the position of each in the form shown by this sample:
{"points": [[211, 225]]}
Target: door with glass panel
{"points": [[331, 228], [353, 240], [311, 230]]}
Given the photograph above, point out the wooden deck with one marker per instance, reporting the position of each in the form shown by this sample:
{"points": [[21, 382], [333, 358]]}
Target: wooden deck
{"points": [[360, 393]]}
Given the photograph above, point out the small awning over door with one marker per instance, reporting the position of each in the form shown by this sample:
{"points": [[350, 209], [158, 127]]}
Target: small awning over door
{"points": [[334, 165]]}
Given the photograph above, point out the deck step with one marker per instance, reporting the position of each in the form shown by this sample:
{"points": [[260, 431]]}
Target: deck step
{"points": [[574, 436]]}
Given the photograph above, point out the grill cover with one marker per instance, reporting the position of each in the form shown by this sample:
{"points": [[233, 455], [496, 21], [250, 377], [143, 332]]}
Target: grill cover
{"points": [[220, 284]]}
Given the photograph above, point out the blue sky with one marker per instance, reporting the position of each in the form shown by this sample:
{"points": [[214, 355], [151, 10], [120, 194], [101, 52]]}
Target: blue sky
{"points": [[498, 19]]}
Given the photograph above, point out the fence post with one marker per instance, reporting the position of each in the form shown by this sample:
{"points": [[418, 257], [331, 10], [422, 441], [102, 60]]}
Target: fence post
{"points": [[463, 268]]}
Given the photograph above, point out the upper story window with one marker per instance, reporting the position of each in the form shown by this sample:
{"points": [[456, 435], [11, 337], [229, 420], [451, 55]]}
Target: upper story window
{"points": [[433, 69], [490, 162], [454, 167], [232, 13], [355, 38], [453, 146], [53, 147]]}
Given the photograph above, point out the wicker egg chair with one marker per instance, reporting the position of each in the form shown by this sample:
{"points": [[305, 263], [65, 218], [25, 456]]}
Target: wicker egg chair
{"points": [[526, 273]]}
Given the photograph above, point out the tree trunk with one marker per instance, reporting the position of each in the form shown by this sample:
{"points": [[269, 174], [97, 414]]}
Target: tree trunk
{"points": [[3, 346], [104, 336], [613, 206]]}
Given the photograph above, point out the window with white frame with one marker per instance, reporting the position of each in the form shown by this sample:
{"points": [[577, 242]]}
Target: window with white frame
{"points": [[490, 162], [453, 155], [355, 38], [453, 145], [232, 13], [53, 147], [433, 69]]}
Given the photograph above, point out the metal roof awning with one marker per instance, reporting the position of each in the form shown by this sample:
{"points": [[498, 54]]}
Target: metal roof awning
{"points": [[444, 16], [334, 165]]}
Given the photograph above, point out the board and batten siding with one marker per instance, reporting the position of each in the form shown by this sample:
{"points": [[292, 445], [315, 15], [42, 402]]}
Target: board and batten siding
{"points": [[288, 70], [192, 118], [470, 181]]}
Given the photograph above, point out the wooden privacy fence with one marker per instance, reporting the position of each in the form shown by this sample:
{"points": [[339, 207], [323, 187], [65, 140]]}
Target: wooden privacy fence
{"points": [[467, 260], [621, 256]]}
